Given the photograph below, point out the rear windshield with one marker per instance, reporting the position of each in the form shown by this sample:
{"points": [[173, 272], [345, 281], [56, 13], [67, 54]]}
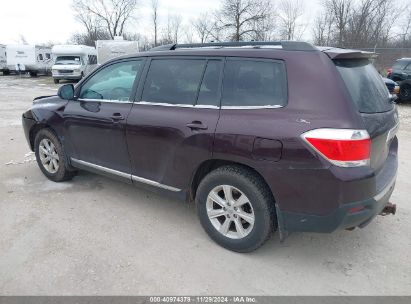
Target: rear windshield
{"points": [[366, 86], [401, 64]]}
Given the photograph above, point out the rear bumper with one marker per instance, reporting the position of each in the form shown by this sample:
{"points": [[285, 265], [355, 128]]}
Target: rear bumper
{"points": [[356, 214]]}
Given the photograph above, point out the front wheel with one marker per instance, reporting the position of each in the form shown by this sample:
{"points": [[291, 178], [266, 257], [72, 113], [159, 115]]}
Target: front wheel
{"points": [[56, 81], [236, 208], [50, 157]]}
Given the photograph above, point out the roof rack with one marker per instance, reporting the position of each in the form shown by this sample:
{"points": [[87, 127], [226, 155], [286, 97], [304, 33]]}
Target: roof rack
{"points": [[286, 45]]}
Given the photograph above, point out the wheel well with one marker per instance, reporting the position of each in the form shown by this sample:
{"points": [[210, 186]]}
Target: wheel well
{"points": [[35, 130], [211, 165]]}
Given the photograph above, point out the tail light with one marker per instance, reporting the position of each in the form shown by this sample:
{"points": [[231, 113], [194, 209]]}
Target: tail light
{"points": [[342, 147]]}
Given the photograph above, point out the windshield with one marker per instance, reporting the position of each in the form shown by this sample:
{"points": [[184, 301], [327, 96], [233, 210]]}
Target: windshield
{"points": [[365, 85], [68, 60]]}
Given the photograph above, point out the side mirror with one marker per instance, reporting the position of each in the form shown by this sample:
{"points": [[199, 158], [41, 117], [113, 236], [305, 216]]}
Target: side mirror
{"points": [[66, 92]]}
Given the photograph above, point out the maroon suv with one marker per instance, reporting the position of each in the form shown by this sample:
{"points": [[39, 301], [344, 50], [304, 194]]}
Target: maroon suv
{"points": [[262, 135]]}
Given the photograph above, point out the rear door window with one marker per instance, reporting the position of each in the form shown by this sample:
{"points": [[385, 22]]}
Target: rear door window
{"points": [[254, 83], [365, 85], [173, 81]]}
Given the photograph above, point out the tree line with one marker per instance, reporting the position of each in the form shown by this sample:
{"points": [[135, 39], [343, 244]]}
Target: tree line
{"points": [[340, 23]]}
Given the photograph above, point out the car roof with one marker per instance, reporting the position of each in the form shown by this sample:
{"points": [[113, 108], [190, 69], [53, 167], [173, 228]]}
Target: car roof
{"points": [[271, 49]]}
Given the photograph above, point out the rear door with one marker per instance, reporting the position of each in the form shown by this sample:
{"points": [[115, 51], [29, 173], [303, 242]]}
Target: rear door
{"points": [[170, 131], [379, 114]]}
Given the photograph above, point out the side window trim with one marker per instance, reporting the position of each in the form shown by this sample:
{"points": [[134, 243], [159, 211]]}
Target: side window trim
{"points": [[143, 78], [133, 90], [254, 107], [222, 61]]}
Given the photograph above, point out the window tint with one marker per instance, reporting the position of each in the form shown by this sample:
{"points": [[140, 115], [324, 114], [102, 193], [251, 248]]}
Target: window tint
{"points": [[365, 85], [401, 64], [173, 81], [114, 82], [40, 56], [48, 56], [254, 83], [210, 87]]}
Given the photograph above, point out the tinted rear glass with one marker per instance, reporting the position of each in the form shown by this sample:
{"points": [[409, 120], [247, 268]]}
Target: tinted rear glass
{"points": [[401, 64], [173, 81], [254, 83], [365, 85]]}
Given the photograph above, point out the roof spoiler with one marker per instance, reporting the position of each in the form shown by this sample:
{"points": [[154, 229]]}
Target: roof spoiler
{"points": [[285, 45], [337, 53]]}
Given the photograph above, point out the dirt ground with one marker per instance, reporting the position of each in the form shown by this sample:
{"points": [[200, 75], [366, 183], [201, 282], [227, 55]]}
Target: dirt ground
{"points": [[94, 235]]}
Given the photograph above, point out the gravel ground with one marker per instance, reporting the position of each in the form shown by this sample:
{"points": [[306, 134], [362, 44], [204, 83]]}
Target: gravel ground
{"points": [[97, 236]]}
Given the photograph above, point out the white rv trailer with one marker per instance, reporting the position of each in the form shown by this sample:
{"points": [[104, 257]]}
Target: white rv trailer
{"points": [[109, 49], [73, 62], [33, 59], [3, 60]]}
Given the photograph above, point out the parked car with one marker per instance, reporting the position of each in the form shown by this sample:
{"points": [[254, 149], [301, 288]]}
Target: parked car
{"points": [[250, 131], [401, 70], [392, 87], [401, 73]]}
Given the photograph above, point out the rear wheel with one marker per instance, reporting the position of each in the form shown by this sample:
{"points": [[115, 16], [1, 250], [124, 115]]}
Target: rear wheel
{"points": [[236, 208], [56, 81], [405, 92], [50, 156]]}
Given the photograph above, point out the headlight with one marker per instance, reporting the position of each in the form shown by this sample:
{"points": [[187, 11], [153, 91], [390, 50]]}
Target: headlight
{"points": [[397, 90], [77, 71]]}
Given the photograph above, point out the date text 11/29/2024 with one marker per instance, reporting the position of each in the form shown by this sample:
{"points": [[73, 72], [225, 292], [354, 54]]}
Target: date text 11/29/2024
{"points": [[203, 299]]}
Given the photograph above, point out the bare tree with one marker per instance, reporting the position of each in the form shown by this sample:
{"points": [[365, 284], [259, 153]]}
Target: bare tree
{"points": [[172, 29], [290, 13], [114, 14], [175, 23], [323, 29], [154, 18], [239, 17], [405, 26], [340, 10], [203, 26]]}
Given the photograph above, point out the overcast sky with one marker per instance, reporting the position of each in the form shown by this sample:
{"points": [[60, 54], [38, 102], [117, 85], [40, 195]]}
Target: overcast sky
{"points": [[43, 21]]}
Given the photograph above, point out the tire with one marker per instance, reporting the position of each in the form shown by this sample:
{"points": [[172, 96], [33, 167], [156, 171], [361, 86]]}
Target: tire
{"points": [[33, 74], [260, 205], [6, 72], [59, 174], [405, 92], [56, 81]]}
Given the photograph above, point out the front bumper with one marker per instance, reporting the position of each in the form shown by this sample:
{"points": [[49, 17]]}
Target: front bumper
{"points": [[28, 124], [67, 77]]}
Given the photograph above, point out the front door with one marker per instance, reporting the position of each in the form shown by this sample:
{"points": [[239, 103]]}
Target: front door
{"points": [[170, 132], [95, 121]]}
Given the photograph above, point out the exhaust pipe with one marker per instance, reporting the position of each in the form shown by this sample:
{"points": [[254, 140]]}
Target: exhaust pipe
{"points": [[390, 208]]}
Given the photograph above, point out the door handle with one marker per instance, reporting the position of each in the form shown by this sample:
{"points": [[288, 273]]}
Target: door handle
{"points": [[117, 116], [197, 125]]}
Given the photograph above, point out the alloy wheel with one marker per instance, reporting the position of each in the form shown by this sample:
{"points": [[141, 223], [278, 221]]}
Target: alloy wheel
{"points": [[48, 156], [230, 212]]}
